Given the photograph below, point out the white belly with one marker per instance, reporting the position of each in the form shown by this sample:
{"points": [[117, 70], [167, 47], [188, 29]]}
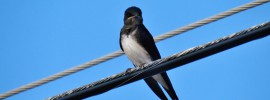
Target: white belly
{"points": [[135, 52]]}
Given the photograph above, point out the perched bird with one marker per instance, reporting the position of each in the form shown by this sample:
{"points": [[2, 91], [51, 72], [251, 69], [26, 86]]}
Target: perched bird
{"points": [[139, 46]]}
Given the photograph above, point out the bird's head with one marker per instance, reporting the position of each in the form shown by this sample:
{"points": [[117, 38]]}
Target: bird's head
{"points": [[133, 15]]}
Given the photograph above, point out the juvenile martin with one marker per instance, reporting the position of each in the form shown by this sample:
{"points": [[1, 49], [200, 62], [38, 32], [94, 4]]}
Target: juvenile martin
{"points": [[139, 46]]}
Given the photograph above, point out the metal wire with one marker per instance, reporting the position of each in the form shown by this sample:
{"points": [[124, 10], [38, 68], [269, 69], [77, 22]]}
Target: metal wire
{"points": [[119, 52], [167, 63], [210, 19]]}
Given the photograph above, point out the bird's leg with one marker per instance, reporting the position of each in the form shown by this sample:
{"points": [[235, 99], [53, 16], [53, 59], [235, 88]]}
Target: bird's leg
{"points": [[128, 70]]}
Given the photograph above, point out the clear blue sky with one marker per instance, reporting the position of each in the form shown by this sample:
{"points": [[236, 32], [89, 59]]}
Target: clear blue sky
{"points": [[43, 37]]}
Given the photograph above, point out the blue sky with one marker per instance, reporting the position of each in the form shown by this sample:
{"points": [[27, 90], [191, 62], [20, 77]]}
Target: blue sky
{"points": [[41, 38]]}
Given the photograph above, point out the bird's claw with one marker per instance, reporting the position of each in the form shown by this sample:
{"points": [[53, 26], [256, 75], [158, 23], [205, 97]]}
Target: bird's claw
{"points": [[128, 70]]}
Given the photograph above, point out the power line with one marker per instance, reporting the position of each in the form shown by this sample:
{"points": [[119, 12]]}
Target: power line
{"points": [[119, 52], [167, 63]]}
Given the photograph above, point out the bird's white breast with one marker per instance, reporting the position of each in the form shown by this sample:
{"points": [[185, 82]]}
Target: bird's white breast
{"points": [[134, 51]]}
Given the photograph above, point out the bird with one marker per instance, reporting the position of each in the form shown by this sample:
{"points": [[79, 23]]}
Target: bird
{"points": [[139, 46]]}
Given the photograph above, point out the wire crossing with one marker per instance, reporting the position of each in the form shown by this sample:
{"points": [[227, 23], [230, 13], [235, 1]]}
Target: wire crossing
{"points": [[167, 63], [119, 52]]}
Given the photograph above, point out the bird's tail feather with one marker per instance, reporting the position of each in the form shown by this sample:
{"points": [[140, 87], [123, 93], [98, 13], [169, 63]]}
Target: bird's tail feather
{"points": [[153, 84], [164, 80]]}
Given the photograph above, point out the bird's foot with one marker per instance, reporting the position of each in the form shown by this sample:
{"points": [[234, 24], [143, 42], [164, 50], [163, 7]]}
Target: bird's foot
{"points": [[128, 70]]}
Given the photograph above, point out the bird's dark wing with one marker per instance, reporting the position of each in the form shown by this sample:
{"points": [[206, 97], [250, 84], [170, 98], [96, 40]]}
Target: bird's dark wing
{"points": [[145, 39]]}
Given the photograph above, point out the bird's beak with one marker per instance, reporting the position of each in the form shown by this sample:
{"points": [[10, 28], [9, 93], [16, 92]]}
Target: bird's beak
{"points": [[131, 17], [136, 17]]}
